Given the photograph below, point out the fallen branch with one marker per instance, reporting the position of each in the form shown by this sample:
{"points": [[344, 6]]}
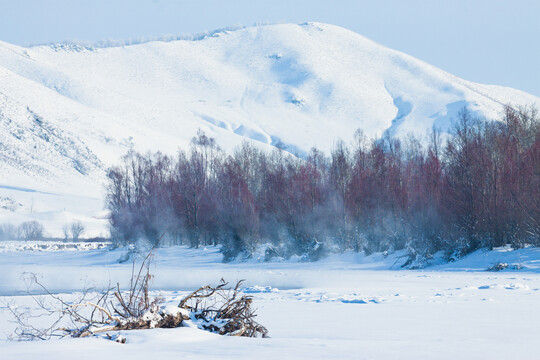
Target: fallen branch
{"points": [[102, 309], [220, 309], [224, 310]]}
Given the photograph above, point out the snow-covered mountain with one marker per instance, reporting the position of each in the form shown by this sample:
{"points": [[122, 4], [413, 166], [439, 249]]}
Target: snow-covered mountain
{"points": [[68, 111]]}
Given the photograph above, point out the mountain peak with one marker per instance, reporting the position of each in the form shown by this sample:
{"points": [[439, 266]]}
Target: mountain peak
{"points": [[303, 85]]}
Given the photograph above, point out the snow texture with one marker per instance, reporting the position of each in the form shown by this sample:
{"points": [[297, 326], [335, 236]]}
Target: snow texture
{"points": [[348, 306]]}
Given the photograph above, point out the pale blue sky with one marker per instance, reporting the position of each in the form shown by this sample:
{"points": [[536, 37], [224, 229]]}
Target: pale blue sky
{"points": [[488, 41]]}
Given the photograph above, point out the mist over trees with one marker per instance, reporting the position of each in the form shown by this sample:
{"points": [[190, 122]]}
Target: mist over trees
{"points": [[478, 187]]}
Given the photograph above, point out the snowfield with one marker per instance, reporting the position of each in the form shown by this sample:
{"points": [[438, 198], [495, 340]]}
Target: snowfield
{"points": [[67, 112], [11, 246], [347, 306]]}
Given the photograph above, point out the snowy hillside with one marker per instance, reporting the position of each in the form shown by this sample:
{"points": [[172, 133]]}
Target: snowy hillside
{"points": [[67, 112]]}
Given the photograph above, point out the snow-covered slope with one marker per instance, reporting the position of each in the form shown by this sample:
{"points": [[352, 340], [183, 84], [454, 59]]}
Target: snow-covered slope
{"points": [[67, 112]]}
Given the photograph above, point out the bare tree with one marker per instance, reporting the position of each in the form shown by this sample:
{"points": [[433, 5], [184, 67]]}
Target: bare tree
{"points": [[77, 229], [65, 230], [8, 232], [31, 230]]}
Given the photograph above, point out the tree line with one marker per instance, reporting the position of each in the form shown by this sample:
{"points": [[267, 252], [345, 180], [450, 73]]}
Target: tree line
{"points": [[34, 230], [476, 186]]}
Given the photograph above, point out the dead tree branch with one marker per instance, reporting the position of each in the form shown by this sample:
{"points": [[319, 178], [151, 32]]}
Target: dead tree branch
{"points": [[224, 310], [220, 309]]}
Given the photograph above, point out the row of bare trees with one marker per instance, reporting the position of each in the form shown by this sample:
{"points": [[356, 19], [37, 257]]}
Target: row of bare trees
{"points": [[28, 230], [34, 230], [478, 186]]}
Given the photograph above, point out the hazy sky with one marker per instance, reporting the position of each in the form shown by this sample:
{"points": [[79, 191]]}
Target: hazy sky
{"points": [[488, 41]]}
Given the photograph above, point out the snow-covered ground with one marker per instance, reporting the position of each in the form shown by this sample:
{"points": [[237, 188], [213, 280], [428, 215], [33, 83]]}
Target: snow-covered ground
{"points": [[13, 246], [54, 210], [344, 307]]}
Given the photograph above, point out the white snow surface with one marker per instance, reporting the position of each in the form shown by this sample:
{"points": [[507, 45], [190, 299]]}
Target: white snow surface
{"points": [[12, 246], [348, 306], [67, 112]]}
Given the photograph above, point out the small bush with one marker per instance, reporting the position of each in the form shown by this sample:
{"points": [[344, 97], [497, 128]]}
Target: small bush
{"points": [[503, 266]]}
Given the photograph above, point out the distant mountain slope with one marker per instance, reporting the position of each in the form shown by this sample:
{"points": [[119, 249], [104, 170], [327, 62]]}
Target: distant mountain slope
{"points": [[67, 112]]}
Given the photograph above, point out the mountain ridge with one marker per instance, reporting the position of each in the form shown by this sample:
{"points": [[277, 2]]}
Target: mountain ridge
{"points": [[67, 112]]}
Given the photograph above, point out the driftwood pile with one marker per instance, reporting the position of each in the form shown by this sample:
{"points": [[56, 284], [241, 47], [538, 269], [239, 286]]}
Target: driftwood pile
{"points": [[220, 309]]}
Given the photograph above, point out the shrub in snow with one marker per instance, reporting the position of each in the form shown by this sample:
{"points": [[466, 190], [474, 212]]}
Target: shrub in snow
{"points": [[498, 267], [503, 266]]}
